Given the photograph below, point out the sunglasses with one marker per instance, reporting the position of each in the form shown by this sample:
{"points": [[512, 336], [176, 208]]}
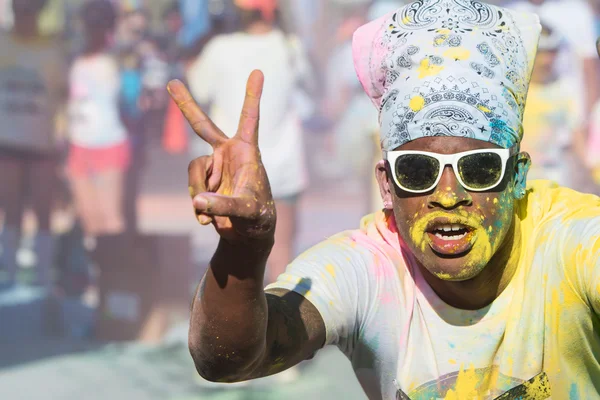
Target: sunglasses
{"points": [[476, 170]]}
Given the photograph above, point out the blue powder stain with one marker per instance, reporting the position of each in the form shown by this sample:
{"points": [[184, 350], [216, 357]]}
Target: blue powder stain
{"points": [[451, 345], [574, 393], [374, 343]]}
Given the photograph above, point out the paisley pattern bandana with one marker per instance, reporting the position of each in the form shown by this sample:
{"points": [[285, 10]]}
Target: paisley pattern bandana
{"points": [[448, 68]]}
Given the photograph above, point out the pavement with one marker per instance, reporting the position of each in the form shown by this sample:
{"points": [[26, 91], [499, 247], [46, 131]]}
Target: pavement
{"points": [[65, 369]]}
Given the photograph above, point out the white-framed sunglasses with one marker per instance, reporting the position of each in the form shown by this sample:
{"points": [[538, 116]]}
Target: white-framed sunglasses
{"points": [[476, 170]]}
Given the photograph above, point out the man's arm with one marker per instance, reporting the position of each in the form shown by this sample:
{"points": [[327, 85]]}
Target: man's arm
{"points": [[239, 332]]}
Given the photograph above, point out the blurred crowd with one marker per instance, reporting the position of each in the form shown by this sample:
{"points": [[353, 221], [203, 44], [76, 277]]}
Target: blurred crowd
{"points": [[82, 93]]}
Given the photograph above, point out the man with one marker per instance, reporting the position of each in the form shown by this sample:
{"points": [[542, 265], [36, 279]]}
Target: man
{"points": [[32, 89], [468, 285]]}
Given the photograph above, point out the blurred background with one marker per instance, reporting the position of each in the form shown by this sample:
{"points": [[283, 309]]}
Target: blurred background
{"points": [[100, 252]]}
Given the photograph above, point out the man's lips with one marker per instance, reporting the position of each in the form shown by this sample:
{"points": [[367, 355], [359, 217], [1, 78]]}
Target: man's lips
{"points": [[450, 237]]}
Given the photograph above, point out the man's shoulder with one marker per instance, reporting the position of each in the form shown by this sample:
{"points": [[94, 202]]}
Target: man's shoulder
{"points": [[546, 202]]}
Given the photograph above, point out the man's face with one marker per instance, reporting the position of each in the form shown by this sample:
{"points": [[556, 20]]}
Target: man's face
{"points": [[453, 232]]}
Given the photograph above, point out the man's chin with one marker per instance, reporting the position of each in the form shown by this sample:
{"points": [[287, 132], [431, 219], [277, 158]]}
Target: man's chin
{"points": [[452, 269]]}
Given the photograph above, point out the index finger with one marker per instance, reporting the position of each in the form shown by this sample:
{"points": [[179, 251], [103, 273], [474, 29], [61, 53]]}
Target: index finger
{"points": [[198, 120], [248, 126]]}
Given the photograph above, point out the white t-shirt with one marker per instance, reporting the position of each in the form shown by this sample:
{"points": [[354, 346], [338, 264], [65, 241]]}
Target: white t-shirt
{"points": [[404, 342], [574, 20], [94, 119], [218, 77]]}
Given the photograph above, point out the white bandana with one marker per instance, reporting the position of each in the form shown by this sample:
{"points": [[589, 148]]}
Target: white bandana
{"points": [[448, 68]]}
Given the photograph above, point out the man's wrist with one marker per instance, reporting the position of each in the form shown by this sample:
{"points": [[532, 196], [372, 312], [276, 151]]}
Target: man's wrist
{"points": [[242, 259]]}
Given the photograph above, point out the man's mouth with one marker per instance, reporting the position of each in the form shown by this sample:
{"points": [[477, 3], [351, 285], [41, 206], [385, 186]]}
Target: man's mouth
{"points": [[450, 239]]}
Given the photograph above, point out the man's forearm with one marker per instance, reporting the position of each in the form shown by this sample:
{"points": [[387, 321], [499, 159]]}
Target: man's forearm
{"points": [[229, 312]]}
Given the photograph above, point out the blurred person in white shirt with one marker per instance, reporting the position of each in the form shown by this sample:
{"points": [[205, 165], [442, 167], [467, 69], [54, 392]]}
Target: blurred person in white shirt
{"points": [[578, 62], [217, 77]]}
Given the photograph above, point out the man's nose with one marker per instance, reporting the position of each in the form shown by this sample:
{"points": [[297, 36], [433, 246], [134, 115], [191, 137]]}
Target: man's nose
{"points": [[449, 193]]}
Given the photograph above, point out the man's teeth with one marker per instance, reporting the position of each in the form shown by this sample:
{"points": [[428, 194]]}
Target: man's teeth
{"points": [[455, 237], [451, 232], [449, 228]]}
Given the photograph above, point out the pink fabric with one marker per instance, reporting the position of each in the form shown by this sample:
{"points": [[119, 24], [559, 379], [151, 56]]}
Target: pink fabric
{"points": [[379, 233], [266, 7], [368, 51]]}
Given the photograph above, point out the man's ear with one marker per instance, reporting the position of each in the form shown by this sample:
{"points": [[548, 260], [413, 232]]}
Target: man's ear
{"points": [[522, 165], [385, 185]]}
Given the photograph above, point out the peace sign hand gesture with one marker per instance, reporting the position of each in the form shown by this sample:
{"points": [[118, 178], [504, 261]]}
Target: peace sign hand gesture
{"points": [[230, 188]]}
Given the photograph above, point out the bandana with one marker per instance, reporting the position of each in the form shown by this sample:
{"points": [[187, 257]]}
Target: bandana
{"points": [[448, 68], [266, 7]]}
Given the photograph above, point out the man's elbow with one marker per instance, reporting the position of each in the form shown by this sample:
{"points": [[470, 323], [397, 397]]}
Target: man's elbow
{"points": [[223, 367]]}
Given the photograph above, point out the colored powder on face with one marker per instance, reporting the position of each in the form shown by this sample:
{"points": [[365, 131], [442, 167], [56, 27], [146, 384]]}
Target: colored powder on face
{"points": [[482, 248]]}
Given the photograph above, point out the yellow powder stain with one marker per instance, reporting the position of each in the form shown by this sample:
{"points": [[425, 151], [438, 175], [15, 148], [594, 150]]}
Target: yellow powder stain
{"points": [[439, 40], [457, 53], [538, 389], [405, 20], [484, 109], [495, 201], [488, 199], [191, 190], [417, 103], [452, 361], [444, 31], [427, 69], [448, 188], [331, 269], [466, 386]]}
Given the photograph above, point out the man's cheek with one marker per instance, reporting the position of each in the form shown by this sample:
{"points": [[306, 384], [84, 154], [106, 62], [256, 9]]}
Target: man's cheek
{"points": [[498, 216]]}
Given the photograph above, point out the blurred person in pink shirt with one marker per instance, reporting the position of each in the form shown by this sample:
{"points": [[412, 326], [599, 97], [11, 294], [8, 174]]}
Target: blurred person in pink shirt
{"points": [[100, 153], [32, 89]]}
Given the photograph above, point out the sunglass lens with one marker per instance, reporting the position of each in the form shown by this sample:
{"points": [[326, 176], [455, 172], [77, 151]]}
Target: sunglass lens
{"points": [[480, 171], [417, 171]]}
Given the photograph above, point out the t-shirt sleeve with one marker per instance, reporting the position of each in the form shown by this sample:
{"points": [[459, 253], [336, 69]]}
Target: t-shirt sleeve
{"points": [[332, 276], [581, 251]]}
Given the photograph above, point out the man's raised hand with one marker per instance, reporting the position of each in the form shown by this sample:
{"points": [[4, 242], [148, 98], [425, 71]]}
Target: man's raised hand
{"points": [[230, 188]]}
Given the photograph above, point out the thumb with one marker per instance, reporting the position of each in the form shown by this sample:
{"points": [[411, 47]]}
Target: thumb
{"points": [[213, 204]]}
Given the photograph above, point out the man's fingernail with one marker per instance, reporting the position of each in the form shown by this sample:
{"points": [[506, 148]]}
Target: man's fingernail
{"points": [[204, 220], [200, 203]]}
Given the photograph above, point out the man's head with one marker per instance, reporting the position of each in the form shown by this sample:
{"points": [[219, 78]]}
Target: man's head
{"points": [[450, 84], [99, 19], [27, 11], [256, 11], [451, 229], [545, 61]]}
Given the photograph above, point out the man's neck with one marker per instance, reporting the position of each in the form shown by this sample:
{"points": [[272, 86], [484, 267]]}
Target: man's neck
{"points": [[482, 290]]}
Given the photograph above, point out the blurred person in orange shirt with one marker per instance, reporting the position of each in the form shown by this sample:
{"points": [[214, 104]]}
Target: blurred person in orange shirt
{"points": [[32, 89], [218, 76], [99, 152], [551, 115]]}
